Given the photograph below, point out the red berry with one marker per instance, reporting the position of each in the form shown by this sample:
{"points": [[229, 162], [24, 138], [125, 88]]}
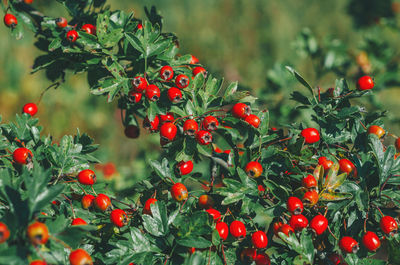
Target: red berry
{"points": [[248, 255], [153, 125], [262, 259], [397, 144], [365, 83], [286, 229], [119, 218], [309, 182], [241, 110], [179, 192], [166, 73], [216, 215], [184, 168], [253, 120], [168, 131], [28, 2], [204, 137], [139, 84], [4, 232], [194, 60], [134, 96], [377, 130], [310, 198], [197, 70], [210, 123], [182, 81], [22, 155], [223, 230], [205, 201], [10, 20], [253, 169], [87, 201], [237, 229], [319, 224], [169, 117], [311, 135], [78, 221], [38, 233], [139, 26], [174, 95], [259, 239], [335, 258], [30, 108], [325, 163], [348, 167], [348, 244], [261, 188], [298, 222], [371, 241], [190, 127], [147, 208], [276, 226], [388, 225], [72, 35], [89, 28], [38, 262], [87, 177], [294, 205], [132, 131], [80, 257], [152, 92], [61, 22], [102, 202]]}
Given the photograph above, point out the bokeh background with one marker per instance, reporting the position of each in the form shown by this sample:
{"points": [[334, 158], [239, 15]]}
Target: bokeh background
{"points": [[240, 40]]}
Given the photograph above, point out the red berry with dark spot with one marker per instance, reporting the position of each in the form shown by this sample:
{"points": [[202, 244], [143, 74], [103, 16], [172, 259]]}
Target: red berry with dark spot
{"points": [[119, 218], [210, 123], [166, 73], [30, 108], [310, 198], [190, 127], [87, 201], [262, 259], [89, 29], [197, 70], [223, 230], [134, 96], [377, 130], [182, 81], [253, 120], [4, 232], [294, 205], [152, 92], [237, 229], [204, 137], [309, 182], [179, 192], [365, 83], [325, 163], [348, 244], [139, 84], [168, 131], [10, 20], [319, 224], [286, 229], [102, 202], [22, 155], [168, 117], [80, 257], [132, 131], [348, 167], [298, 222], [87, 177], [61, 22], [38, 233], [371, 241], [147, 208], [78, 221], [335, 258], [216, 215], [259, 239], [72, 35], [174, 95], [151, 125], [241, 110], [184, 167], [311, 135], [253, 169], [388, 225]]}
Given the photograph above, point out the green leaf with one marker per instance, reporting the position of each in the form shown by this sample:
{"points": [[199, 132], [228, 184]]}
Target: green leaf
{"points": [[300, 79], [231, 89], [135, 42], [194, 241], [334, 196]]}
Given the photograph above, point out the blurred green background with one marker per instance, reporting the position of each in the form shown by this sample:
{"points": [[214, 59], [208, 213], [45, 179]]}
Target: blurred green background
{"points": [[236, 39]]}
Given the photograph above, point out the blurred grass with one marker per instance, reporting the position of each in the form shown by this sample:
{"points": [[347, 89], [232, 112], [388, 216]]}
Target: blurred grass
{"points": [[237, 39]]}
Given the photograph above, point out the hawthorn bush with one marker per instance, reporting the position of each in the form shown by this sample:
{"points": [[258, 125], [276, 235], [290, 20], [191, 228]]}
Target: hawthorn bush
{"points": [[227, 188]]}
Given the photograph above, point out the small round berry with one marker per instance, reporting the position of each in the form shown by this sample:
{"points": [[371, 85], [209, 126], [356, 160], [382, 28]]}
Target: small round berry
{"points": [[119, 218], [28, 2], [153, 125], [30, 108], [132, 131], [310, 198], [87, 177], [237, 229], [216, 215], [168, 117], [89, 29], [371, 241], [38, 233], [10, 20], [294, 205], [298, 222], [22, 155], [210, 123], [253, 120], [319, 224], [259, 239], [241, 110], [166, 73], [253, 169], [197, 70], [87, 201], [168, 131], [204, 137], [205, 201], [190, 127], [72, 35], [388, 225], [61, 22], [262, 259], [179, 192], [134, 96], [152, 92], [80, 257], [139, 26], [102, 202], [139, 84], [4, 232], [78, 221], [38, 262], [325, 163], [348, 244], [348, 167], [286, 229], [174, 95], [182, 81], [184, 167], [194, 60], [147, 208], [311, 135], [365, 83], [377, 130], [309, 182], [223, 230], [276, 226]]}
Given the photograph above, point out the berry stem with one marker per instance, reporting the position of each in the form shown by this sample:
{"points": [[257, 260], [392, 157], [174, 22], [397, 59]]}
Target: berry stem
{"points": [[223, 253], [72, 207], [330, 232], [124, 203], [60, 242]]}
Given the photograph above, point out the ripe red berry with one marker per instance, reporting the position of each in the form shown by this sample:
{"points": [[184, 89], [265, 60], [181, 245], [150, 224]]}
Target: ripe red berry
{"points": [[102, 202], [276, 226], [335, 258], [87, 201], [147, 208], [253, 169], [139, 84], [78, 221], [286, 229], [30, 108], [38, 233], [139, 26], [168, 131], [259, 239], [294, 205], [348, 244], [262, 259], [253, 120], [38, 262], [348, 167], [241, 110], [132, 131], [309, 182], [22, 155], [184, 167], [371, 241], [87, 177], [166, 73], [205, 201], [153, 125], [223, 230], [61, 22], [311, 135], [28, 2], [80, 257], [197, 70], [182, 81], [365, 83], [174, 95], [388, 225], [319, 224], [325, 163], [179, 192], [204, 137], [134, 96], [89, 28], [194, 60], [298, 222], [4, 232], [72, 35], [190, 127], [152, 92], [119, 218], [377, 130], [210, 123], [397, 144], [261, 188], [10, 20], [168, 117], [310, 198], [216, 215], [237, 229]]}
